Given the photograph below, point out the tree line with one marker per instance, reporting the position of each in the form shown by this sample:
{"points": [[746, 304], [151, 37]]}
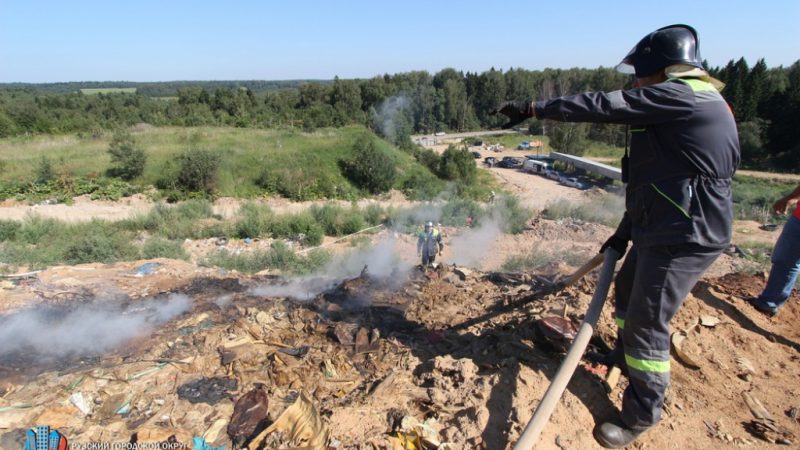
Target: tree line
{"points": [[766, 102]]}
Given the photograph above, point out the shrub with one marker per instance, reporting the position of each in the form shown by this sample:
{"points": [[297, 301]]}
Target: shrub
{"points": [[254, 221], [455, 212], [92, 247], [374, 214], [370, 168], [329, 217], [197, 170], [163, 248], [34, 229], [420, 184], [278, 257], [128, 159], [457, 165], [8, 230], [607, 210], [353, 222], [44, 171], [514, 216]]}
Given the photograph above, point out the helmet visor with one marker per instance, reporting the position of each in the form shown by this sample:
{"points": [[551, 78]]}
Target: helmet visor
{"points": [[626, 65]]}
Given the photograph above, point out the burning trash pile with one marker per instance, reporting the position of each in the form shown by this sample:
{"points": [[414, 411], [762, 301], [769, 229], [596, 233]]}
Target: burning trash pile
{"points": [[378, 361]]}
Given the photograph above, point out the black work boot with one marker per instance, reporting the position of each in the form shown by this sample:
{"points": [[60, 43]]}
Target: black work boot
{"points": [[616, 435]]}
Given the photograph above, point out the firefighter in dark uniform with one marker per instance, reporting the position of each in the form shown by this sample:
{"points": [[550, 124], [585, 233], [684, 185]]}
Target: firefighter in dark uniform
{"points": [[684, 150]]}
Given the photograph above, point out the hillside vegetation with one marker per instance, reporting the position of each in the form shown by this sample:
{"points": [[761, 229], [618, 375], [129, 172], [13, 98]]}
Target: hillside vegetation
{"points": [[250, 162]]}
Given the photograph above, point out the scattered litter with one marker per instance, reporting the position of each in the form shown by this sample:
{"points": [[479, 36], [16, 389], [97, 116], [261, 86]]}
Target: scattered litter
{"points": [[75, 383], [679, 339], [709, 321], [208, 390], [301, 425], [18, 406], [764, 427], [745, 369], [249, 416], [147, 371], [147, 269], [556, 331], [81, 402], [199, 443], [793, 413], [768, 227], [297, 352]]}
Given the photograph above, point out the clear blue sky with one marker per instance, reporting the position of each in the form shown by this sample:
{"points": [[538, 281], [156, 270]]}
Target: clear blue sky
{"points": [[146, 40]]}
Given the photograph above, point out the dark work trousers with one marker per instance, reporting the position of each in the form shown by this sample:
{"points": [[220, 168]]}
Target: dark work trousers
{"points": [[427, 258], [649, 288]]}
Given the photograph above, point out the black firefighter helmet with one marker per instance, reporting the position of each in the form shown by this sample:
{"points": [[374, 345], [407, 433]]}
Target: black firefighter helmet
{"points": [[674, 44]]}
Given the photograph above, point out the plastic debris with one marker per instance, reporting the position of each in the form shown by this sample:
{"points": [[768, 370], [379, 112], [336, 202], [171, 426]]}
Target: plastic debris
{"points": [[81, 402], [207, 390], [556, 331], [147, 371], [301, 424], [199, 443], [249, 416], [147, 269], [678, 344], [709, 321], [297, 352]]}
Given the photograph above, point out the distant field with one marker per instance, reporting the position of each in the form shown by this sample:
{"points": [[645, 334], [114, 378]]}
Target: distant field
{"points": [[108, 91], [246, 154]]}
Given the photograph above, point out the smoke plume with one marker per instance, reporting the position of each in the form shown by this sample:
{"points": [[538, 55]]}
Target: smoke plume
{"points": [[388, 116], [471, 247], [89, 329]]}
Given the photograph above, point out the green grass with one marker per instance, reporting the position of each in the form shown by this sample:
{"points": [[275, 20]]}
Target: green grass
{"points": [[293, 163], [607, 210], [278, 257], [753, 197], [96, 91], [541, 255]]}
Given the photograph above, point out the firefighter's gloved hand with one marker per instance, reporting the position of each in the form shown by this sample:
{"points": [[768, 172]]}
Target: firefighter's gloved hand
{"points": [[617, 243], [516, 111]]}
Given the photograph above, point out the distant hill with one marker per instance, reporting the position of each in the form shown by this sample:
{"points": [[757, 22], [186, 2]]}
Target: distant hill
{"points": [[160, 88]]}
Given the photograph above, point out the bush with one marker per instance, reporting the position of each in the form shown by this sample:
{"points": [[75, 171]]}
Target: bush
{"points": [[34, 229], [104, 248], [254, 221], [457, 165], [455, 212], [514, 216], [278, 257], [44, 171], [607, 210], [370, 168], [329, 217], [197, 170], [420, 184], [540, 256], [8, 230], [128, 159], [374, 214], [162, 248]]}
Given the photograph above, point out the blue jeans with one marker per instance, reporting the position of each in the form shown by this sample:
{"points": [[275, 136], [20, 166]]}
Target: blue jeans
{"points": [[785, 267]]}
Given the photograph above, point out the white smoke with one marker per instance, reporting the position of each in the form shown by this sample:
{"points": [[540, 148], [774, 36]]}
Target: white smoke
{"points": [[471, 247], [89, 329], [387, 115], [381, 261]]}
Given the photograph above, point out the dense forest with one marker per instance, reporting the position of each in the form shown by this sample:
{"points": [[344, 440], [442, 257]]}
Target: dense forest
{"points": [[766, 102]]}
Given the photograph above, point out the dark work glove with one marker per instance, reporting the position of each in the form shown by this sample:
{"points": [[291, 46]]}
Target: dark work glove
{"points": [[617, 243], [516, 111]]}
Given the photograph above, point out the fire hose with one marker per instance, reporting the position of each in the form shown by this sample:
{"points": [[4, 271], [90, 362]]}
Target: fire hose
{"points": [[546, 407]]}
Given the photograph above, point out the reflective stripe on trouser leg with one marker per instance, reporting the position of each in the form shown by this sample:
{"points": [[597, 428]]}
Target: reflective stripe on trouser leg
{"points": [[623, 283], [664, 276]]}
